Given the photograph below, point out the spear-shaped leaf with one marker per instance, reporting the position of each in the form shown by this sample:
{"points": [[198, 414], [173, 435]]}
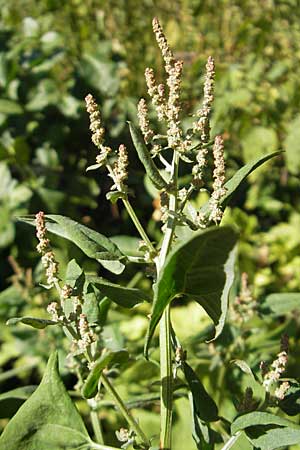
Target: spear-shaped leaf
{"points": [[145, 158], [238, 178]]}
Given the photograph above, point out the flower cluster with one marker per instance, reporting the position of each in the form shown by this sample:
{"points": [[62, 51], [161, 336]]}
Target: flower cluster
{"points": [[163, 45], [157, 94], [144, 121], [43, 247], [120, 173], [97, 130], [202, 124], [55, 310], [95, 121], [219, 190], [271, 377], [245, 304], [87, 337]]}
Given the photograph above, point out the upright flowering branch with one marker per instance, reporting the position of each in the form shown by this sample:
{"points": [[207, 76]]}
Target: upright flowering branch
{"points": [[201, 126], [118, 172]]}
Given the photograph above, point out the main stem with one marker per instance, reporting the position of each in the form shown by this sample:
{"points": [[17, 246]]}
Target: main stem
{"points": [[166, 377]]}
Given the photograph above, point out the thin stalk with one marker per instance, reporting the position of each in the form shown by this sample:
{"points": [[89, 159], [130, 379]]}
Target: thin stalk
{"points": [[124, 410], [166, 376], [231, 441], [138, 224], [131, 213], [96, 446], [96, 424]]}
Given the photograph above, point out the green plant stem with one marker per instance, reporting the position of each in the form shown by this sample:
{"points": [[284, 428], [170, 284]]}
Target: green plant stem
{"points": [[231, 441], [124, 410], [96, 424], [96, 446], [166, 388], [132, 213], [166, 377]]}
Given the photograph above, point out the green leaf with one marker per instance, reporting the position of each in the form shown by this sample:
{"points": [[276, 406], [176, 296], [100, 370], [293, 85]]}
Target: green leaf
{"points": [[32, 321], [75, 277], [260, 418], [93, 167], [11, 401], [10, 107], [204, 437], [279, 304], [145, 158], [238, 178], [123, 296], [271, 439], [90, 305], [267, 431], [61, 437], [201, 269], [291, 402], [108, 359], [243, 366], [114, 196], [92, 243], [205, 407], [49, 405], [127, 244]]}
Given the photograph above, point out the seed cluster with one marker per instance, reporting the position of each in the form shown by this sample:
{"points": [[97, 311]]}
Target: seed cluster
{"points": [[219, 190], [278, 367], [44, 248]]}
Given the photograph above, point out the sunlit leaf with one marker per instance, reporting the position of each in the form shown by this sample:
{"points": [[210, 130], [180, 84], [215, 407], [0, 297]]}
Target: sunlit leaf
{"points": [[200, 269]]}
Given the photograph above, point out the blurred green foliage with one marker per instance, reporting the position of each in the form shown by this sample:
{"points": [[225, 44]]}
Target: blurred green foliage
{"points": [[52, 54]]}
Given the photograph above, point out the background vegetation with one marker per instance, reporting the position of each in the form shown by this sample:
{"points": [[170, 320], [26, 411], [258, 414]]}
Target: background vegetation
{"points": [[52, 54]]}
